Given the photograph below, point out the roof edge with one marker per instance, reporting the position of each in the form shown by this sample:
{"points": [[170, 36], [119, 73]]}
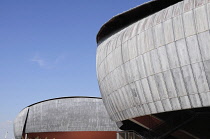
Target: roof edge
{"points": [[63, 98], [128, 17]]}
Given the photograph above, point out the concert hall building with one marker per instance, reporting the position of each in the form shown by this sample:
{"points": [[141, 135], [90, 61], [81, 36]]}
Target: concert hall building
{"points": [[65, 118], [153, 69]]}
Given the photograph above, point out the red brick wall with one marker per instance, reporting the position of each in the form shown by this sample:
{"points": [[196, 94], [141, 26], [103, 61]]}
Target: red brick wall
{"points": [[75, 135]]}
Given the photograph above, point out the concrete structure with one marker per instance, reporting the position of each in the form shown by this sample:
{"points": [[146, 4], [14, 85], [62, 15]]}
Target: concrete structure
{"points": [[62, 118], [153, 68]]}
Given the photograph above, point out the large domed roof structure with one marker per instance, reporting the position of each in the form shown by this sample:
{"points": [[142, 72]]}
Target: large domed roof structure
{"points": [[153, 68]]}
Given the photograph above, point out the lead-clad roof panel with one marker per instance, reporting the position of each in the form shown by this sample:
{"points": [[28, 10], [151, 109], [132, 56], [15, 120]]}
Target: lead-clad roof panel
{"points": [[66, 114], [19, 123], [128, 17]]}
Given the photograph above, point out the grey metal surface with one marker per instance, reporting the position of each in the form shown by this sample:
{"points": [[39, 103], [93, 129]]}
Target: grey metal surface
{"points": [[160, 63], [66, 114], [128, 17], [19, 123]]}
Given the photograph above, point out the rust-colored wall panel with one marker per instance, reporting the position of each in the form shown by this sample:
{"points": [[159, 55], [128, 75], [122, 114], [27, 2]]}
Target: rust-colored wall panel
{"points": [[75, 135], [148, 121]]}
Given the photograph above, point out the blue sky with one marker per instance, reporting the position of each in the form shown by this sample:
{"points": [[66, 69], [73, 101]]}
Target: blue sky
{"points": [[47, 50]]}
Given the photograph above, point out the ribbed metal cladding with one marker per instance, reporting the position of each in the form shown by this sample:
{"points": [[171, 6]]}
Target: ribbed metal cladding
{"points": [[158, 64], [19, 123], [64, 115]]}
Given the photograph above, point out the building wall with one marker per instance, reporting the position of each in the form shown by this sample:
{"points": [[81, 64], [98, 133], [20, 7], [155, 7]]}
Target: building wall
{"points": [[160, 63], [74, 135]]}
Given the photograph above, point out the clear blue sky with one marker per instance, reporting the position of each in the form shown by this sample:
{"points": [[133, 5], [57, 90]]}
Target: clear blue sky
{"points": [[47, 50]]}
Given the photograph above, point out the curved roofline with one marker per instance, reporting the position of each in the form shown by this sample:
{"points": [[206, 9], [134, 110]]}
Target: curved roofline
{"points": [[63, 98], [128, 17]]}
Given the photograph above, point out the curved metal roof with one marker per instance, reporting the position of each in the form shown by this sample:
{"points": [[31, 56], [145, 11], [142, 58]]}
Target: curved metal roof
{"points": [[78, 113], [64, 98], [126, 18]]}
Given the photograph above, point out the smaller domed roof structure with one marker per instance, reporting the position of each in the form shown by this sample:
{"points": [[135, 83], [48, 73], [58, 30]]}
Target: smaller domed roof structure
{"points": [[63, 115]]}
